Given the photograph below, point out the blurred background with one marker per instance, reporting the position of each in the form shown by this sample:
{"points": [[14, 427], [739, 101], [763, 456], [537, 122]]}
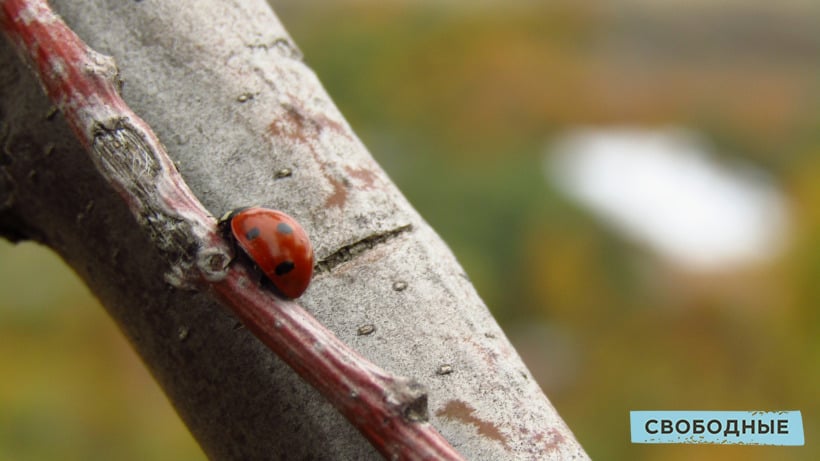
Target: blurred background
{"points": [[633, 187]]}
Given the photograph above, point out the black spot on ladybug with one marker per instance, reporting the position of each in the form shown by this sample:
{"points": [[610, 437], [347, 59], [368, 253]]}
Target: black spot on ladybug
{"points": [[284, 267], [252, 233], [284, 228]]}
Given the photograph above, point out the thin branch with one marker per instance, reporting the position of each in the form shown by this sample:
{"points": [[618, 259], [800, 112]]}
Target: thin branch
{"points": [[390, 411]]}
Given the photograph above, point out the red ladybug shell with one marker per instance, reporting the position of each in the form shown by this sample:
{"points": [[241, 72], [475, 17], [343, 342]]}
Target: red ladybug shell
{"points": [[278, 245]]}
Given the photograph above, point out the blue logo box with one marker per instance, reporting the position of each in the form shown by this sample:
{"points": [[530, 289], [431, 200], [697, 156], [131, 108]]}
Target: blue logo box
{"points": [[717, 427]]}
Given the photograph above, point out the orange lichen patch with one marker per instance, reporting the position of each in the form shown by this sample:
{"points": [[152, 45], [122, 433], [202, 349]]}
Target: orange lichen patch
{"points": [[298, 125], [544, 441], [461, 411], [367, 178], [339, 195]]}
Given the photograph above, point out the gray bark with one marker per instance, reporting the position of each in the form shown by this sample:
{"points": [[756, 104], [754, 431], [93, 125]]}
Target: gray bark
{"points": [[224, 88]]}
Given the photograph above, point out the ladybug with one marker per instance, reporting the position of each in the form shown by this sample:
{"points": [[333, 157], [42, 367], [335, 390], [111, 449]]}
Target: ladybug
{"points": [[276, 243]]}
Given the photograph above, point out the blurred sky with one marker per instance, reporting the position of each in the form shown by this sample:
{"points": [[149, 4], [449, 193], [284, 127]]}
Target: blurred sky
{"points": [[646, 174]]}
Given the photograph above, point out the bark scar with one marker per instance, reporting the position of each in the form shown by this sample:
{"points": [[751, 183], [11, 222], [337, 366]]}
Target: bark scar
{"points": [[348, 252]]}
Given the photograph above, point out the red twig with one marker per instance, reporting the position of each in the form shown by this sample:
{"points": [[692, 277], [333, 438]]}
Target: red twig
{"points": [[390, 411]]}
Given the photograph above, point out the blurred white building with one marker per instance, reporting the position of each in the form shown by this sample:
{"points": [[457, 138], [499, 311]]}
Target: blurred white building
{"points": [[663, 188]]}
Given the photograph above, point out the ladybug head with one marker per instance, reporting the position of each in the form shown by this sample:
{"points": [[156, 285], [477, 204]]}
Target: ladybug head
{"points": [[224, 223]]}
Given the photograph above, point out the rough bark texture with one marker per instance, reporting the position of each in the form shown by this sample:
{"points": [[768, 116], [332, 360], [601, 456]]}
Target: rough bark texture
{"points": [[225, 89]]}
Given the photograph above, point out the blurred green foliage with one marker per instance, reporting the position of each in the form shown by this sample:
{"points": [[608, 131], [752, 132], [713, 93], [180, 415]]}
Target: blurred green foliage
{"points": [[457, 101], [72, 388]]}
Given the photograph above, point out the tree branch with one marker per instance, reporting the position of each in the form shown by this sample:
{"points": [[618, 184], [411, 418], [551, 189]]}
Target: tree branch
{"points": [[390, 411], [250, 124]]}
